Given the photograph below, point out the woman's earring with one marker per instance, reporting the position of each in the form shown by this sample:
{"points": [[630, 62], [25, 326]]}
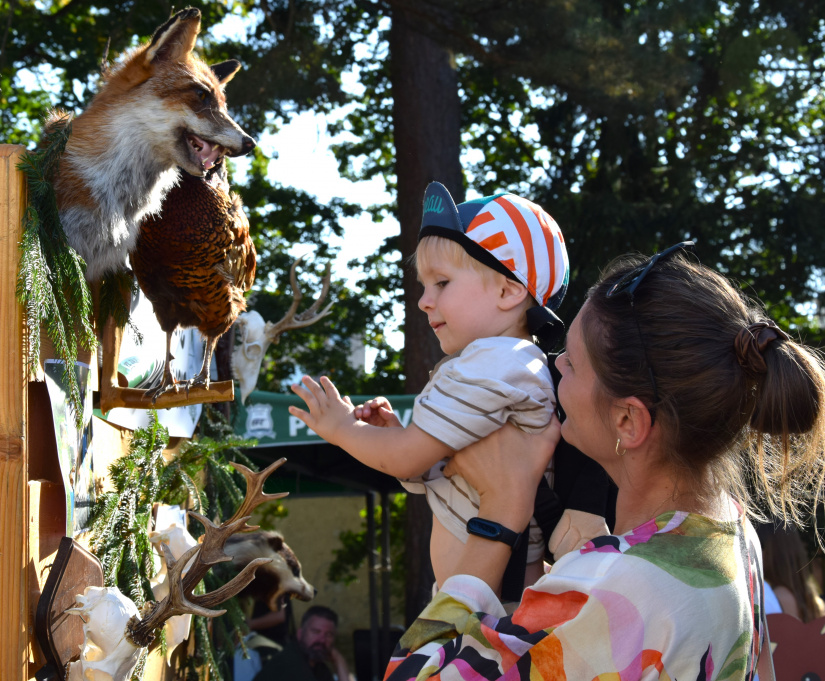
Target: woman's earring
{"points": [[623, 452]]}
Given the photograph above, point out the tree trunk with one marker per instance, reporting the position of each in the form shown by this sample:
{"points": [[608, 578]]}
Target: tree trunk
{"points": [[427, 132]]}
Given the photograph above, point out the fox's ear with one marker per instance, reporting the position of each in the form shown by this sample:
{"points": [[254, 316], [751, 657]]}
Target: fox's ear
{"points": [[176, 38], [226, 70]]}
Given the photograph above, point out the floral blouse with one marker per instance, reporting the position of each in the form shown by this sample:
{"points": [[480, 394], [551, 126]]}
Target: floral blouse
{"points": [[678, 597]]}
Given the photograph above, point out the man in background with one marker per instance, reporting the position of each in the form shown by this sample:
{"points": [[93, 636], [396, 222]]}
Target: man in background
{"points": [[311, 655]]}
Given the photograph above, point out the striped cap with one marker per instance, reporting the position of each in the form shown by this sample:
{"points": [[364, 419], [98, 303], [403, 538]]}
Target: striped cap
{"points": [[505, 232]]}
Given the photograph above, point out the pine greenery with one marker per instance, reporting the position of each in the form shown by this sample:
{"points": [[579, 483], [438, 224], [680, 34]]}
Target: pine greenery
{"points": [[50, 283], [120, 518], [116, 288], [198, 476]]}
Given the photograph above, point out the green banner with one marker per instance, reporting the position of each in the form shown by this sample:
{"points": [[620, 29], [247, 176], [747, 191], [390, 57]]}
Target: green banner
{"points": [[265, 418]]}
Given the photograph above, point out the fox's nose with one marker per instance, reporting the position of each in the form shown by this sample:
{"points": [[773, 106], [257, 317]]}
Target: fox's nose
{"points": [[247, 145]]}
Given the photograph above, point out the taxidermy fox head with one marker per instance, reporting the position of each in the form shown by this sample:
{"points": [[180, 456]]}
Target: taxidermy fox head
{"points": [[160, 108]]}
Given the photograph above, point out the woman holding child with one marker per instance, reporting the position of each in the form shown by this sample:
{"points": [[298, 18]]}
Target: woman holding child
{"points": [[679, 387]]}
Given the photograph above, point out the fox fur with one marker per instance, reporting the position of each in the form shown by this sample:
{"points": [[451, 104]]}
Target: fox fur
{"points": [[160, 109], [276, 582]]}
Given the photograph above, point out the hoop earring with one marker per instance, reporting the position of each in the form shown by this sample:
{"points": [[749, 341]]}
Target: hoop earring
{"points": [[624, 451]]}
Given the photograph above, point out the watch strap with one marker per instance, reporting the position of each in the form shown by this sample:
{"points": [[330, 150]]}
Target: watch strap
{"points": [[489, 529]]}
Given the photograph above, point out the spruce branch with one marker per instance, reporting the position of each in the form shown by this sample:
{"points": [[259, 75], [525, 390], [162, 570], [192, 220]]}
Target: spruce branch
{"points": [[51, 284]]}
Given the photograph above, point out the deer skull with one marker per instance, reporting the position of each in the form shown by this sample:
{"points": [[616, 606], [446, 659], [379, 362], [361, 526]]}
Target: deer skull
{"points": [[106, 653], [257, 335]]}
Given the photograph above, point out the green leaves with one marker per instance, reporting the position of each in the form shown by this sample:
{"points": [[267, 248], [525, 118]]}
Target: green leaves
{"points": [[120, 518], [50, 283]]}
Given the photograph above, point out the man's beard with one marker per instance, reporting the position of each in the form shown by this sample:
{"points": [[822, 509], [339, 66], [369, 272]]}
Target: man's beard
{"points": [[317, 652]]}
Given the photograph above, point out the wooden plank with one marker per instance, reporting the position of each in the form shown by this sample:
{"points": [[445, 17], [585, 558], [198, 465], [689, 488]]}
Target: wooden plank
{"points": [[14, 625]]}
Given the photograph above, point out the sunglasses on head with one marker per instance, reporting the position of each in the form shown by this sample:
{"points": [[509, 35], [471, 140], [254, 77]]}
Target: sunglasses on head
{"points": [[627, 286]]}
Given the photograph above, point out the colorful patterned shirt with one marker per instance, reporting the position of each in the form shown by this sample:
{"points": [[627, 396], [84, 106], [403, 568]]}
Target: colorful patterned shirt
{"points": [[678, 597]]}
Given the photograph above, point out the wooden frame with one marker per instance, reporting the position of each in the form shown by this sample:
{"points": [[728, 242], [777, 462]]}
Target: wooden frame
{"points": [[15, 612], [32, 498]]}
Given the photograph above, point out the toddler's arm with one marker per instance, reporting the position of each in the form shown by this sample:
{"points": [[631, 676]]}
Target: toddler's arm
{"points": [[400, 452]]}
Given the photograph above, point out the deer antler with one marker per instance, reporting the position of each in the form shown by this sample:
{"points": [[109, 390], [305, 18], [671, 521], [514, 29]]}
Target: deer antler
{"points": [[254, 491], [209, 552], [309, 316]]}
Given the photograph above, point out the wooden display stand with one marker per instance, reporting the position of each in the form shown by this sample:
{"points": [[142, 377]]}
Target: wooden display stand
{"points": [[113, 395], [32, 499], [15, 558]]}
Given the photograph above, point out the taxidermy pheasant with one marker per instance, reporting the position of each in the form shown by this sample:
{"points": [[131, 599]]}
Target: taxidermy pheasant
{"points": [[194, 261]]}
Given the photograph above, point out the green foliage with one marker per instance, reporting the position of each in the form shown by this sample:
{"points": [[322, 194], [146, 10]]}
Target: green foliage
{"points": [[50, 283], [120, 518], [199, 473], [353, 552]]}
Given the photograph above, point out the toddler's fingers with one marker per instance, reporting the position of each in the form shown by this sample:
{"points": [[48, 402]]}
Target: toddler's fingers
{"points": [[379, 403], [299, 413], [304, 394], [329, 388], [313, 387]]}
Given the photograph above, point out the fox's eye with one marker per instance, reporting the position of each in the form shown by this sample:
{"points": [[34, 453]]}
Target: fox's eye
{"points": [[201, 93]]}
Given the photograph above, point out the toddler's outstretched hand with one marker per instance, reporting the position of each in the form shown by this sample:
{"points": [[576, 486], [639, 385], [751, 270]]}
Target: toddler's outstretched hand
{"points": [[328, 411], [378, 412]]}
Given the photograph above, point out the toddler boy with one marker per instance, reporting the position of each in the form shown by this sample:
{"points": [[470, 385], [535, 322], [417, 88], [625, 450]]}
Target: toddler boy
{"points": [[492, 271]]}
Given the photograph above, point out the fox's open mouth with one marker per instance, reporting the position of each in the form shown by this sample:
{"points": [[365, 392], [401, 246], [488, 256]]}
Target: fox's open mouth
{"points": [[206, 153]]}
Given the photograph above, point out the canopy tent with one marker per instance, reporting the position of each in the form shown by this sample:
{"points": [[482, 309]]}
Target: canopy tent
{"points": [[315, 467]]}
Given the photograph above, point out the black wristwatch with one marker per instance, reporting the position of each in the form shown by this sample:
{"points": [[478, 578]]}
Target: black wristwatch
{"points": [[494, 532]]}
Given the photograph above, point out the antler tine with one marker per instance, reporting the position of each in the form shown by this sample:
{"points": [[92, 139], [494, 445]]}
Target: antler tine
{"points": [[142, 632], [310, 315], [215, 537], [291, 320], [254, 490], [232, 587], [276, 329]]}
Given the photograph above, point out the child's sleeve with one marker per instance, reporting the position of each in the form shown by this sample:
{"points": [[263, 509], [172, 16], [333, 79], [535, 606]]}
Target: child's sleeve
{"points": [[477, 393]]}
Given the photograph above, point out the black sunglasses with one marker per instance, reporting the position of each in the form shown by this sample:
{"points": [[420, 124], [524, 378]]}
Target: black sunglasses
{"points": [[627, 285]]}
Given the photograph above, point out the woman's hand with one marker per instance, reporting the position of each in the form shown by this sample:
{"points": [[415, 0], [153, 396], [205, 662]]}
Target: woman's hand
{"points": [[505, 469]]}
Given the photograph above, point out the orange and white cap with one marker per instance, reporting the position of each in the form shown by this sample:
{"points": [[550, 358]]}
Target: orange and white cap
{"points": [[506, 232]]}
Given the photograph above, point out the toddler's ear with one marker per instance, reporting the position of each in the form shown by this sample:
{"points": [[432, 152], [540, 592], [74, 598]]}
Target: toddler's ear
{"points": [[512, 294]]}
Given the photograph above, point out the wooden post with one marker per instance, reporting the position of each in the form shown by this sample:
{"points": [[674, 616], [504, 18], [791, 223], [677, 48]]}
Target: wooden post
{"points": [[13, 415]]}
